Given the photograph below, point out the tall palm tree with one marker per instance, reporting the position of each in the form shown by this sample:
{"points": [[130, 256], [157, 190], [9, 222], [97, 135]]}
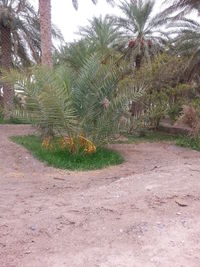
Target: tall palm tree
{"points": [[45, 22], [18, 31], [45, 27], [19, 40], [142, 31]]}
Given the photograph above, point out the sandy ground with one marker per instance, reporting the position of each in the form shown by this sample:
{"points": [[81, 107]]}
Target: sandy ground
{"points": [[143, 213]]}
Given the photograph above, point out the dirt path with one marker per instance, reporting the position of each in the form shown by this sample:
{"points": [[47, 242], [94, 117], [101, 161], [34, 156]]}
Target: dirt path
{"points": [[144, 213]]}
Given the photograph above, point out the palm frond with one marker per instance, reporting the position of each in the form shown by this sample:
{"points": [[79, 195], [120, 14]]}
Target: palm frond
{"points": [[182, 6], [75, 2]]}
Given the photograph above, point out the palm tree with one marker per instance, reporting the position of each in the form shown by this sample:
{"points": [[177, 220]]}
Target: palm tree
{"points": [[74, 55], [142, 31], [102, 34], [187, 43], [19, 37], [45, 22]]}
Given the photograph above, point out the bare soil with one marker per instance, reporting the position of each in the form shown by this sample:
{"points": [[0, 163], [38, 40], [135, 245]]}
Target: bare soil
{"points": [[143, 213]]}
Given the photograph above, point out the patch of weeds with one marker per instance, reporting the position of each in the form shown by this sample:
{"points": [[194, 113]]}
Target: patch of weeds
{"points": [[193, 143], [180, 140]]}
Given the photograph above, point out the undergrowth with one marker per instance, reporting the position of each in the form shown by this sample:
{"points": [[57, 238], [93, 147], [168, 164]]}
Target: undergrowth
{"points": [[180, 140]]}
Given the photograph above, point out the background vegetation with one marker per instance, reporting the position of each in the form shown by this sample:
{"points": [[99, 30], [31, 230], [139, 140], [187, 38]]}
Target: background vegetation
{"points": [[125, 74]]}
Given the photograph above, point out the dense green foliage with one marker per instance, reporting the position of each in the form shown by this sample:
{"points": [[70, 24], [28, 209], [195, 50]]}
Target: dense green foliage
{"points": [[167, 88], [65, 160], [159, 51]]}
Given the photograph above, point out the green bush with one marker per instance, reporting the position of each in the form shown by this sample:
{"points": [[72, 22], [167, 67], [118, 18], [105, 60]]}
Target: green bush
{"points": [[166, 88], [86, 103]]}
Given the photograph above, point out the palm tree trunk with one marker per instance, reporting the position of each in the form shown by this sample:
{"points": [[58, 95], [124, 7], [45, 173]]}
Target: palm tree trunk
{"points": [[136, 107], [45, 28], [138, 61], [6, 47]]}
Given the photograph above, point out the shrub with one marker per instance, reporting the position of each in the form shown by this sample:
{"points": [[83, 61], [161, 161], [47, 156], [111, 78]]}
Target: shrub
{"points": [[166, 88], [190, 118], [70, 105]]}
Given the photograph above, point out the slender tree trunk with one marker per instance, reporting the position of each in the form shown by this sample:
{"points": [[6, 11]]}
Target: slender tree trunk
{"points": [[6, 47], [45, 28]]}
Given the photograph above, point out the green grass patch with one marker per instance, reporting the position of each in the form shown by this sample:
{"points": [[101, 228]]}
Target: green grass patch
{"points": [[180, 140], [151, 136], [65, 160], [1, 120], [189, 142], [13, 120]]}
